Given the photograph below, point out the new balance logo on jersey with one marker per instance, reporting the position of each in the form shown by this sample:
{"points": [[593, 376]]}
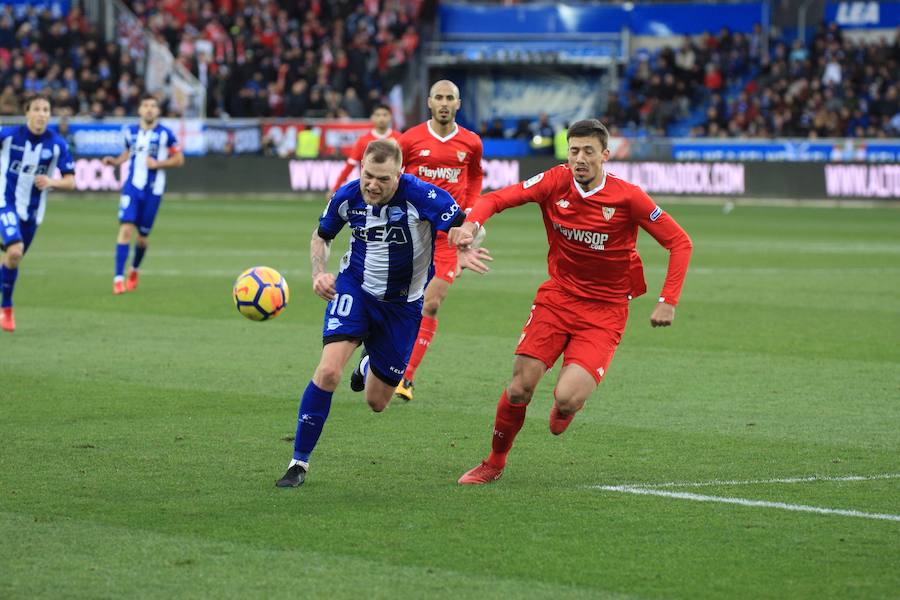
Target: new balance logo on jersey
{"points": [[445, 173], [563, 203], [391, 234], [424, 152], [594, 239]]}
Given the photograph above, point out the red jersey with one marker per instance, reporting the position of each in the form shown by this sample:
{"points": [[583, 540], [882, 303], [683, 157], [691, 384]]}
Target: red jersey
{"points": [[592, 235], [356, 153], [452, 163]]}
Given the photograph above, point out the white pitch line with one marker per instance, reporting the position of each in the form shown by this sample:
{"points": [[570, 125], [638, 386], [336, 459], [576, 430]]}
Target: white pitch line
{"points": [[717, 482], [745, 502]]}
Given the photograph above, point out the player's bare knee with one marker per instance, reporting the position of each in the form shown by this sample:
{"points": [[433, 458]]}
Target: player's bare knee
{"points": [[125, 234], [327, 377], [13, 256], [520, 392], [567, 404], [378, 404], [430, 308]]}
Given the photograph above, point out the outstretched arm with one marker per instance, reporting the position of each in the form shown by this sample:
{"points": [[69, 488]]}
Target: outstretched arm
{"points": [[323, 281]]}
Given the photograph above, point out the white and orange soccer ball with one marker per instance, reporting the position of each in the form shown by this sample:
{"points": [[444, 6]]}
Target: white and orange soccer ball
{"points": [[260, 293]]}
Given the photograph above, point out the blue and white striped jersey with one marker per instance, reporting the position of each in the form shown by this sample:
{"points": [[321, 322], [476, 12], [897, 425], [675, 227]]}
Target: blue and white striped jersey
{"points": [[159, 143], [391, 246], [24, 156]]}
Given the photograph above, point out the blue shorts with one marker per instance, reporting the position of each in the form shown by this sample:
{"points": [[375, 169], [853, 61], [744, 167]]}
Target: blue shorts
{"points": [[388, 329], [139, 207], [13, 230]]}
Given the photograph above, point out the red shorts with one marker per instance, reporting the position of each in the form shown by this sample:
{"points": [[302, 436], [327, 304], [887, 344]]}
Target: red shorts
{"points": [[445, 259], [585, 332]]}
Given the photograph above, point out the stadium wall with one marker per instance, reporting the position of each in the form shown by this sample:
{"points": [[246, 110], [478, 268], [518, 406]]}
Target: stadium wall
{"points": [[249, 175]]}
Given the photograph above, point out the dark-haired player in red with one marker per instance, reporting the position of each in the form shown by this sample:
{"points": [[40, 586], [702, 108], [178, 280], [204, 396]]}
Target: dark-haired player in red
{"points": [[592, 219], [441, 152], [381, 130]]}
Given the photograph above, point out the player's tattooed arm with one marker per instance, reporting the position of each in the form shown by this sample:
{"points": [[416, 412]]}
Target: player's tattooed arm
{"points": [[323, 281]]}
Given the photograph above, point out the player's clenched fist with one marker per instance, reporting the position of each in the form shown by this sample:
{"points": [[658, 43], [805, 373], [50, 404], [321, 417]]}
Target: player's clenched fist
{"points": [[463, 235], [663, 315], [323, 285]]}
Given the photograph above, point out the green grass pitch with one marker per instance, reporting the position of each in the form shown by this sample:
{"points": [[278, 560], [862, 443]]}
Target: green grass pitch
{"points": [[142, 434]]}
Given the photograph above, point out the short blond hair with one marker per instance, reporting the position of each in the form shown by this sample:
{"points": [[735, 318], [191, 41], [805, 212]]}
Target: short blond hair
{"points": [[383, 150]]}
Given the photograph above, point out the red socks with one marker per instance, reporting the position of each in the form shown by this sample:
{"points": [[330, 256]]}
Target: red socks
{"points": [[426, 333], [510, 418]]}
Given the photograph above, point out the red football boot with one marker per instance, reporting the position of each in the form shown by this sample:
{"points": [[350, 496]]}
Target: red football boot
{"points": [[7, 320], [558, 421], [483, 473], [118, 287], [132, 281]]}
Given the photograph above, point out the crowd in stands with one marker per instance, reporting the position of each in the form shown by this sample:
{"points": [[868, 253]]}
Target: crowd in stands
{"points": [[524, 129], [337, 58], [831, 87], [289, 58], [67, 59], [256, 58]]}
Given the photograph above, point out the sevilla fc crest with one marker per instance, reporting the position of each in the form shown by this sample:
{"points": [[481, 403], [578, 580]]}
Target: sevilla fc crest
{"points": [[608, 212], [461, 156]]}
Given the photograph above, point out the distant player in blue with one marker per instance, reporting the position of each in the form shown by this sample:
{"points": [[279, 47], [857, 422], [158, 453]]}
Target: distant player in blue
{"points": [[30, 154], [150, 148], [377, 297]]}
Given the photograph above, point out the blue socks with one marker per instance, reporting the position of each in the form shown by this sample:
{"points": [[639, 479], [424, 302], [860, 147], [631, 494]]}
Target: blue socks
{"points": [[314, 407], [7, 283], [138, 256], [121, 257]]}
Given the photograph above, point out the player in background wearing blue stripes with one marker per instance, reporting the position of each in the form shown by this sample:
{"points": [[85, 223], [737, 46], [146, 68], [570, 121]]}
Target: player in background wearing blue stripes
{"points": [[150, 148], [30, 155], [377, 297]]}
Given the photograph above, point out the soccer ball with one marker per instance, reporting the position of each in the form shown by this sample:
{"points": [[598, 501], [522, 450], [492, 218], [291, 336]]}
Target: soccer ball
{"points": [[260, 293]]}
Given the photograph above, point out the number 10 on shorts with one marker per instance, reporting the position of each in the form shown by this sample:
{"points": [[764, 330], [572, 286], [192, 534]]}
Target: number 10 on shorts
{"points": [[341, 305]]}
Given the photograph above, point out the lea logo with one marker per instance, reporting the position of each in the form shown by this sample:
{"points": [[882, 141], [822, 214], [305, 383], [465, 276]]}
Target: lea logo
{"points": [[392, 234], [858, 13]]}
